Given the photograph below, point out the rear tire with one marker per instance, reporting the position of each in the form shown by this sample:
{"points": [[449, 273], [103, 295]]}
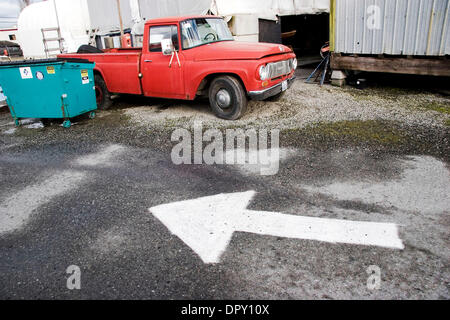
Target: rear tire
{"points": [[46, 122], [88, 49], [227, 98], [102, 94]]}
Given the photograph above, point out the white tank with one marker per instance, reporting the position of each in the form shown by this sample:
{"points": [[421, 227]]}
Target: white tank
{"points": [[74, 24], [78, 19]]}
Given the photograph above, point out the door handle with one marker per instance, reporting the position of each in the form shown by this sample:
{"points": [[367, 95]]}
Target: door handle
{"points": [[147, 60]]}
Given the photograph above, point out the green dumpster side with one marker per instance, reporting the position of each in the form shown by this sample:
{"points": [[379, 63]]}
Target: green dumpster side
{"points": [[48, 88]]}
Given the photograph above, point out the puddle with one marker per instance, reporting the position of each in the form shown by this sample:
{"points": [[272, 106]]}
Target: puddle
{"points": [[10, 131], [264, 162], [36, 125], [424, 187]]}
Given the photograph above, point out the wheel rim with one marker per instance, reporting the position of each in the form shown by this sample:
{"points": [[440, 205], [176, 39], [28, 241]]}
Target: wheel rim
{"points": [[223, 99], [98, 95]]}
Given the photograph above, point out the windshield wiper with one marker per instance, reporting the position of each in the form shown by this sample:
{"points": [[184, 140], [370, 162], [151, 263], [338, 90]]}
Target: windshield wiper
{"points": [[202, 44]]}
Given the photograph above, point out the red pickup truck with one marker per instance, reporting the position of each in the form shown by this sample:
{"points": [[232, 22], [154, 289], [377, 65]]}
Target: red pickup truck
{"points": [[186, 57]]}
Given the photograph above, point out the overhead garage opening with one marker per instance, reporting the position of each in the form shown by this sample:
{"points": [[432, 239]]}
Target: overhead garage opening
{"points": [[306, 34]]}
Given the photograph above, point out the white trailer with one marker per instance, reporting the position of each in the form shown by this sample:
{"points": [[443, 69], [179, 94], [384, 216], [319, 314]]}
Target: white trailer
{"points": [[9, 34], [77, 21], [80, 20]]}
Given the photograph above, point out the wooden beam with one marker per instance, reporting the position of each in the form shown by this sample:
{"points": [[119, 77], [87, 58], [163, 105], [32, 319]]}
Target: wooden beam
{"points": [[120, 21], [420, 66]]}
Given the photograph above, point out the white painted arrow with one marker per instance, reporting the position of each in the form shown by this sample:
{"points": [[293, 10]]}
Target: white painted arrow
{"points": [[207, 225]]}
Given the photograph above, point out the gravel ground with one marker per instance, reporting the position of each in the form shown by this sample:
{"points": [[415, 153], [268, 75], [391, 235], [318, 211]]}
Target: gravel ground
{"points": [[307, 104]]}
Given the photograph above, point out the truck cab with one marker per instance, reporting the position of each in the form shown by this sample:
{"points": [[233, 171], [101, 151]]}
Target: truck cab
{"points": [[187, 57]]}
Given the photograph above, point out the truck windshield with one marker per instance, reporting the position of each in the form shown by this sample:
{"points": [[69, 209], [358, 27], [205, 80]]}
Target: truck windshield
{"points": [[197, 32]]}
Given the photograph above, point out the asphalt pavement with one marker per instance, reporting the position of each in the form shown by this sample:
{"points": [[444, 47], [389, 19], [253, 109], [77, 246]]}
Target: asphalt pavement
{"points": [[82, 197]]}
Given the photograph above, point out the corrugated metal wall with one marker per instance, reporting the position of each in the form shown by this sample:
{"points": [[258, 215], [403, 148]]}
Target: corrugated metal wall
{"points": [[396, 27]]}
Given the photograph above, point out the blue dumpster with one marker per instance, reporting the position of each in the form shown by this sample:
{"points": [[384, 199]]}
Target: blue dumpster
{"points": [[49, 89]]}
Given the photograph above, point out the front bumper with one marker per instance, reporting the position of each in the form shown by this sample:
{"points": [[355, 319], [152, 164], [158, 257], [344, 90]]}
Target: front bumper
{"points": [[270, 92]]}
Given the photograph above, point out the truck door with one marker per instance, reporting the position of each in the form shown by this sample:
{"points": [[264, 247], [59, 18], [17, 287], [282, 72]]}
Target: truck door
{"points": [[158, 78]]}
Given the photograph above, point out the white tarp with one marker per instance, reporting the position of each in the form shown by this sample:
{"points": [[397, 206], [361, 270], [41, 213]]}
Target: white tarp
{"points": [[135, 11], [165, 8], [270, 8], [262, 8], [104, 15]]}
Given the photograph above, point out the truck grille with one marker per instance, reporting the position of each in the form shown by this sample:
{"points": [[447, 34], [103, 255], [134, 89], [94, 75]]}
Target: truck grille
{"points": [[279, 68]]}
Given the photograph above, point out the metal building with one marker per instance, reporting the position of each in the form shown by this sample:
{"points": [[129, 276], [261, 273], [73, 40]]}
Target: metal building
{"points": [[413, 29], [397, 27]]}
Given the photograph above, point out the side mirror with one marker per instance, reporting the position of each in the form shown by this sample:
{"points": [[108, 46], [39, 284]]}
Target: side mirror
{"points": [[167, 47]]}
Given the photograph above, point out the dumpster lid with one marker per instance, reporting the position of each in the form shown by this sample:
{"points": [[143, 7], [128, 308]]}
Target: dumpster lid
{"points": [[40, 61]]}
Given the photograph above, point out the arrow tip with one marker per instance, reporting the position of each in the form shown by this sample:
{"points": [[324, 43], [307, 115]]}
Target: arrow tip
{"points": [[205, 224]]}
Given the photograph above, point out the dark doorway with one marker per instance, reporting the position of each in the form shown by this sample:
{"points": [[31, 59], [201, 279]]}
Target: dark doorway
{"points": [[269, 31], [311, 33]]}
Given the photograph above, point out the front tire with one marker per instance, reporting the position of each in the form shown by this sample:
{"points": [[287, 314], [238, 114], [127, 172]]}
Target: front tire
{"points": [[227, 98], [102, 95]]}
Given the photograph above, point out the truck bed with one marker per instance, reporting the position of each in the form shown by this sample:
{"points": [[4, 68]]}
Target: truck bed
{"points": [[119, 67]]}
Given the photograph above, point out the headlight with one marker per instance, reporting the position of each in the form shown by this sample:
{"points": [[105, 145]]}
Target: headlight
{"points": [[294, 63], [264, 72]]}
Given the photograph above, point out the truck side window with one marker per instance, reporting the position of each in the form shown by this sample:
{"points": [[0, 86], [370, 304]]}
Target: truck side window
{"points": [[162, 32]]}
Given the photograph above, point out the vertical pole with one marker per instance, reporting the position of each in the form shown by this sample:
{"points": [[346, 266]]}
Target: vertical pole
{"points": [[121, 22], [45, 43], [56, 13], [325, 70], [59, 28], [332, 24]]}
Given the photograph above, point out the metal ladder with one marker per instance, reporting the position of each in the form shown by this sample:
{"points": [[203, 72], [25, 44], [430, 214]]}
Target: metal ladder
{"points": [[47, 40]]}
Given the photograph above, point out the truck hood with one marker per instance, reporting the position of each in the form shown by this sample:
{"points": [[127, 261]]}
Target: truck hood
{"points": [[237, 50]]}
